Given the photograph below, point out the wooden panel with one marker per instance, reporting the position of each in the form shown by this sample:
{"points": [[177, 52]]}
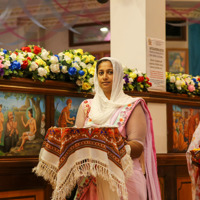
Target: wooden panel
{"points": [[184, 191], [162, 187], [37, 194]]}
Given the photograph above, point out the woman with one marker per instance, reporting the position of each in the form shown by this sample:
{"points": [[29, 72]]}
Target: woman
{"points": [[110, 106]]}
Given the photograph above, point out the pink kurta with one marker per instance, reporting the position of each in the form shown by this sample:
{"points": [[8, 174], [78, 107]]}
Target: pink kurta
{"points": [[137, 184]]}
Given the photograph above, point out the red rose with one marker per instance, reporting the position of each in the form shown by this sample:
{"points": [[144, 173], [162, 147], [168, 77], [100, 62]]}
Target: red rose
{"points": [[147, 79], [198, 79], [25, 64], [36, 49], [140, 79], [28, 58], [26, 49], [16, 53], [149, 83]]}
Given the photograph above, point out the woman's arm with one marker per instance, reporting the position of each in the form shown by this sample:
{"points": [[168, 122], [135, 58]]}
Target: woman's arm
{"points": [[136, 129], [80, 117]]}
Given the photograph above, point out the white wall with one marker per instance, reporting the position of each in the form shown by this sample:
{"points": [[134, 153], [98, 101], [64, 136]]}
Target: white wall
{"points": [[159, 117], [60, 42]]}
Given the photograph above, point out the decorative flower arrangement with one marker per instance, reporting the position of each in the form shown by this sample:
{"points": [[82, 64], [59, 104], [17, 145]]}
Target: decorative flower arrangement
{"points": [[70, 65], [79, 67], [183, 84], [135, 80]]}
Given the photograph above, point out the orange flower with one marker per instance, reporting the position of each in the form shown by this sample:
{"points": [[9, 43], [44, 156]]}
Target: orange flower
{"points": [[121, 119]]}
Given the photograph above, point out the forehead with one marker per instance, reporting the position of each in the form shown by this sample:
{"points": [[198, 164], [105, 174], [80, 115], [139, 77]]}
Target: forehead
{"points": [[105, 65]]}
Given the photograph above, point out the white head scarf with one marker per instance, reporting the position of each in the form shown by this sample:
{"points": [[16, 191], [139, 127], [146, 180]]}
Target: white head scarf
{"points": [[102, 109]]}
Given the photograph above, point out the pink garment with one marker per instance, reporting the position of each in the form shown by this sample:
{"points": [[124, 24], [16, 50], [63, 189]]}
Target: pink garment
{"points": [[137, 185], [153, 186]]}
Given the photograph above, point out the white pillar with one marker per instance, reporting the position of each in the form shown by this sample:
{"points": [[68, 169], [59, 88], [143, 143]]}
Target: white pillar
{"points": [[132, 21]]}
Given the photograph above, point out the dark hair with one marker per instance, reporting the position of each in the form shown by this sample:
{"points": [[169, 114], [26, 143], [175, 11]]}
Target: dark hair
{"points": [[31, 111], [1, 105], [99, 62]]}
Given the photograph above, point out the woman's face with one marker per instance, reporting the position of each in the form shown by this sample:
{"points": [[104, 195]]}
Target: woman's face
{"points": [[105, 76]]}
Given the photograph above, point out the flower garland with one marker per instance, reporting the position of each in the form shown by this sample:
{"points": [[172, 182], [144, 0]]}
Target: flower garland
{"points": [[72, 65], [183, 84]]}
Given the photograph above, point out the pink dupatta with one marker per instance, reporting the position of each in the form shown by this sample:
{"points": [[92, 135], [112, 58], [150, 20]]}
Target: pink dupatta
{"points": [[153, 186]]}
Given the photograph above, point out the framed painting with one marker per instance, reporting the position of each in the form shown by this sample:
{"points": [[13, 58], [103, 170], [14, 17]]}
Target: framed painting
{"points": [[182, 123], [22, 124], [100, 54], [175, 29], [65, 110], [89, 34], [177, 61]]}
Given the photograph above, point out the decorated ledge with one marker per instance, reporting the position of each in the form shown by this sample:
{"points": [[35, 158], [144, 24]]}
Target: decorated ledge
{"points": [[75, 69]]}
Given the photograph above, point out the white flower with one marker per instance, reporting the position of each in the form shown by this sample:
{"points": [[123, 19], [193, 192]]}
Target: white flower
{"points": [[64, 69], [31, 55], [79, 82], [88, 66], [91, 81], [67, 58], [33, 66], [42, 72], [75, 64], [130, 80], [178, 84], [172, 79], [55, 68], [82, 64], [53, 59], [20, 61], [1, 53], [77, 59], [61, 54], [192, 82], [20, 56], [6, 64], [13, 56], [44, 54]]}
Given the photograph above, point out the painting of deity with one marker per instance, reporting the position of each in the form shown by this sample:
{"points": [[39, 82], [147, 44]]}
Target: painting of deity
{"points": [[22, 124], [66, 109], [177, 60], [185, 122]]}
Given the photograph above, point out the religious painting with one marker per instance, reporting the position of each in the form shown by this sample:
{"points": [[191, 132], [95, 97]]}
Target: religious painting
{"points": [[177, 61], [66, 109], [184, 123], [22, 124]]}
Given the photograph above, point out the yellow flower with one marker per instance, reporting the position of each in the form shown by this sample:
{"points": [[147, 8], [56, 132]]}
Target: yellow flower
{"points": [[79, 51], [183, 83], [87, 59], [91, 70], [94, 65], [47, 68], [130, 86], [177, 78], [40, 62], [133, 75], [69, 54], [86, 86], [91, 58]]}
